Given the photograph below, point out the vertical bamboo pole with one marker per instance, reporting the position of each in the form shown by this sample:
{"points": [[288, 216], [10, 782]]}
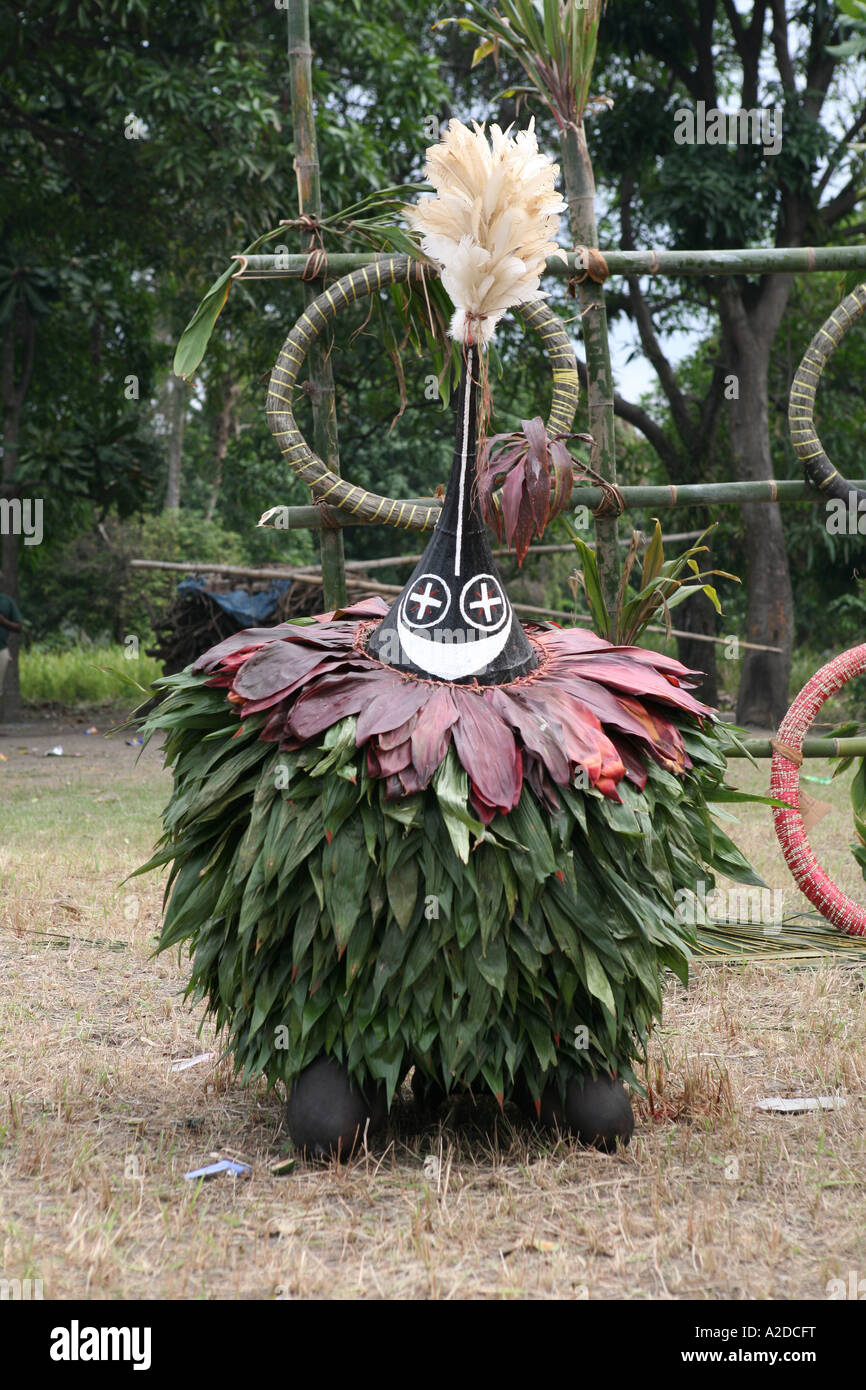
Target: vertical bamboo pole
{"points": [[580, 196], [321, 380]]}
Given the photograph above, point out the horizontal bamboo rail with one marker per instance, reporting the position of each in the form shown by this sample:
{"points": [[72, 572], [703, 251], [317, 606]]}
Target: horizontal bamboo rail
{"points": [[576, 620], [705, 494], [746, 261], [502, 552], [381, 563], [303, 518], [232, 571], [816, 747], [361, 581]]}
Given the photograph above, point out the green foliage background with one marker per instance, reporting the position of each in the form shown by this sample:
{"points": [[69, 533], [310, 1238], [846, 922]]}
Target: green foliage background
{"points": [[118, 238]]}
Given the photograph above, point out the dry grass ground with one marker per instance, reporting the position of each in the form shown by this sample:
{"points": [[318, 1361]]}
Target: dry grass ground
{"points": [[712, 1200]]}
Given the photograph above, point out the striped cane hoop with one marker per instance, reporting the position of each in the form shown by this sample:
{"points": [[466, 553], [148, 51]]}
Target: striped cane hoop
{"points": [[325, 485], [818, 887], [801, 402]]}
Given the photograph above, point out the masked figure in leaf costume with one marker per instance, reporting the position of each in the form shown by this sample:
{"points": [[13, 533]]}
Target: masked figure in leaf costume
{"points": [[427, 835]]}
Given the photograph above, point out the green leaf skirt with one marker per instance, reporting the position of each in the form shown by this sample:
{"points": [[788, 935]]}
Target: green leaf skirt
{"points": [[328, 908]]}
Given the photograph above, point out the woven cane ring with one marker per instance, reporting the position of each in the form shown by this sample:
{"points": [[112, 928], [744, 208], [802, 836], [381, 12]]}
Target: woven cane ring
{"points": [[821, 891], [801, 402], [326, 486]]}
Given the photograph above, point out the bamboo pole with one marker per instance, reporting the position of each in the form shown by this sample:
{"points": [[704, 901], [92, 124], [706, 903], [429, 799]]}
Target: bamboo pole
{"points": [[363, 581], [580, 196], [500, 552], [706, 494], [816, 747], [313, 572], [802, 260], [688, 494], [232, 571], [321, 378], [575, 620]]}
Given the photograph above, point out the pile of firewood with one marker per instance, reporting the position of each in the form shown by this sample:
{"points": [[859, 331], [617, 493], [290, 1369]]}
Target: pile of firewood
{"points": [[195, 621]]}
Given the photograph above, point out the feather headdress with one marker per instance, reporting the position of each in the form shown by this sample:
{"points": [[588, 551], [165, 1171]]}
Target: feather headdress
{"points": [[491, 224]]}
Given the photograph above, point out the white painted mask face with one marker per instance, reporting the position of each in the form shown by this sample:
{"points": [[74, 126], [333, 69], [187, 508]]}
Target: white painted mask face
{"points": [[453, 620], [446, 651]]}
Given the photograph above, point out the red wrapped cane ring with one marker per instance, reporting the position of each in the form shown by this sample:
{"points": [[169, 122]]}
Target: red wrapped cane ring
{"points": [[818, 887]]}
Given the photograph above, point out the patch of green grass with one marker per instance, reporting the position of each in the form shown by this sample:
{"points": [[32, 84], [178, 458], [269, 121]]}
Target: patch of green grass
{"points": [[849, 703], [84, 675]]}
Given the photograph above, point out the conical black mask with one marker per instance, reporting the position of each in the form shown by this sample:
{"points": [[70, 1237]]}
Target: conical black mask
{"points": [[453, 620]]}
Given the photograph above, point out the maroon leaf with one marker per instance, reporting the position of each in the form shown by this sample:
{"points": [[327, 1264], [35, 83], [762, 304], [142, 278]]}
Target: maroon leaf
{"points": [[274, 726], [516, 517], [273, 669], [607, 787], [662, 738], [331, 699], [485, 810], [563, 476], [527, 462], [537, 486], [608, 707], [584, 740], [248, 640], [489, 511], [536, 775], [570, 641], [338, 635], [635, 768], [394, 788], [540, 735], [391, 706], [410, 780], [536, 473], [372, 607], [667, 664], [487, 750], [327, 666], [432, 733], [635, 679], [394, 737], [387, 762]]}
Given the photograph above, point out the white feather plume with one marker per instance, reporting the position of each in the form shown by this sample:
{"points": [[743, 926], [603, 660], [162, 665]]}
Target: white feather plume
{"points": [[491, 225]]}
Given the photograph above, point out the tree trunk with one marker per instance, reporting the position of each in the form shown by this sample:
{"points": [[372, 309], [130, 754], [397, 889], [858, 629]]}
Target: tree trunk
{"points": [[698, 615], [225, 427], [13, 389], [763, 696], [580, 196], [176, 420], [11, 699]]}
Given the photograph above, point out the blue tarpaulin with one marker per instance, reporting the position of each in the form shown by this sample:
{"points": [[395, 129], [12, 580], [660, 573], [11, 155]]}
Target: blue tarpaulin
{"points": [[248, 610]]}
